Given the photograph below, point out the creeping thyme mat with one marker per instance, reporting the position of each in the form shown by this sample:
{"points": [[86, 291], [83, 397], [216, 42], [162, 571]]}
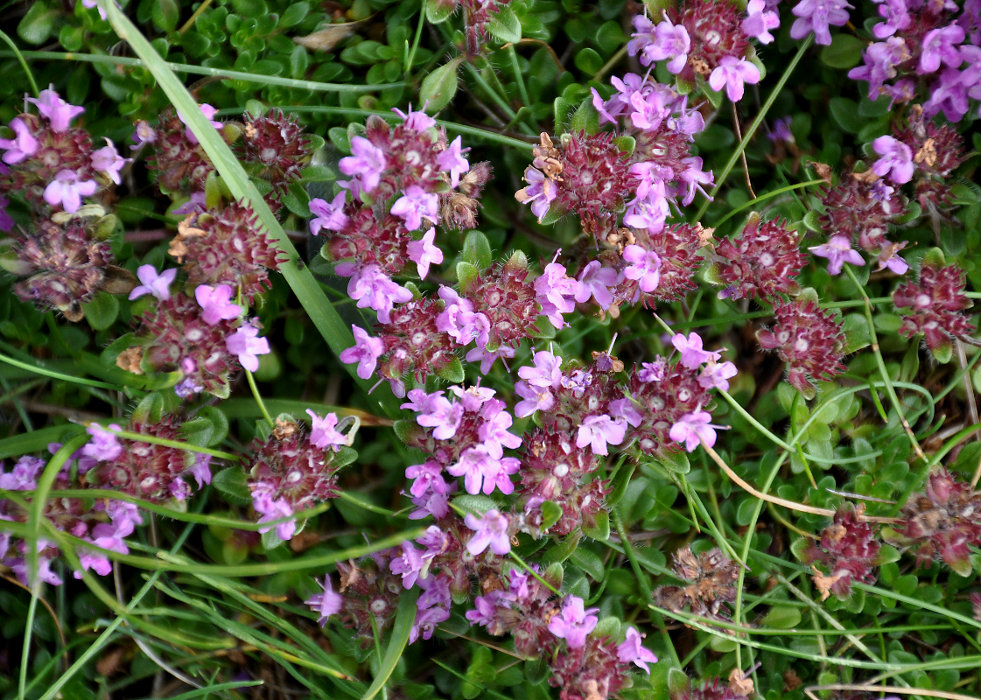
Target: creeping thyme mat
{"points": [[526, 349]]}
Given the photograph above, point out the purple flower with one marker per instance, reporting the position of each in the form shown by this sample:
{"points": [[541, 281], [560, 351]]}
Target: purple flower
{"points": [[494, 430], [329, 216], [21, 146], [6, 222], [323, 433], [540, 192], [630, 651], [485, 606], [573, 623], [491, 529], [417, 121], [595, 281], [533, 399], [245, 343], [108, 161], [458, 320], [365, 352], [717, 375], [103, 446], [371, 287], [409, 564], [365, 165], [656, 43], [487, 358], [732, 72], [896, 16], [651, 371], [327, 603], [547, 371], [482, 472], [644, 268], [781, 130], [58, 112], [692, 354], [216, 303], [67, 191], [196, 203], [838, 250], [693, 177], [414, 204], [880, 61], [423, 253], [209, 113], [426, 477], [156, 284], [143, 134], [201, 469], [693, 429], [598, 431], [452, 161], [816, 16], [263, 503], [759, 21], [23, 476], [426, 621], [941, 46], [556, 292], [442, 416], [896, 160]]}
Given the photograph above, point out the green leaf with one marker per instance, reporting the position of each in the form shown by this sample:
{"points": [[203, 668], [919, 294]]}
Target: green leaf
{"points": [[845, 51], [102, 311], [782, 617], [477, 250], [466, 273], [165, 14], [551, 512], [478, 505], [198, 431], [589, 562], [404, 619], [845, 114], [295, 13], [504, 25], [232, 483], [676, 461], [38, 24], [453, 372], [600, 530], [588, 61], [438, 11], [439, 87]]}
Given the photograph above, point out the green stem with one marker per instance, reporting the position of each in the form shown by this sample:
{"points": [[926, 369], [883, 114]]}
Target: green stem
{"points": [[751, 131], [20, 58], [763, 197], [411, 57], [518, 76], [220, 73], [52, 374], [258, 399]]}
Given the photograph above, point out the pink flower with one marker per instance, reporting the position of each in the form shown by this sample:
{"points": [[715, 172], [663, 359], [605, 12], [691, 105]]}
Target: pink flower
{"points": [[58, 112], [817, 16], [325, 604], [365, 165], [209, 112], [896, 160], [491, 529], [414, 204], [216, 303], [573, 623], [67, 191], [371, 287], [732, 72], [759, 21], [270, 509], [244, 343], [423, 253], [717, 375], [598, 431], [838, 250], [323, 433], [21, 146], [156, 284], [595, 281], [103, 446], [365, 352], [329, 216], [644, 268], [108, 161], [693, 429], [417, 121], [630, 651], [452, 161], [692, 354]]}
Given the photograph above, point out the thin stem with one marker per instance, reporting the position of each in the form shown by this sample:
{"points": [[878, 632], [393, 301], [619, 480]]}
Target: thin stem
{"points": [[614, 59], [765, 196], [751, 131], [742, 152], [518, 76], [219, 73], [410, 59], [20, 58], [886, 381], [258, 399], [194, 17]]}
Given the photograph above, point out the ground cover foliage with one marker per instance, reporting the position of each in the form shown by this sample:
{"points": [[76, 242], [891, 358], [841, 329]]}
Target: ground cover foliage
{"points": [[523, 349]]}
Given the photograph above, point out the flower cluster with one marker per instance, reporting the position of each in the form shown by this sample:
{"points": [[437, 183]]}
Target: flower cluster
{"points": [[920, 43], [201, 337], [942, 523], [146, 470], [935, 305], [848, 549], [762, 262], [810, 341], [104, 525], [706, 39], [710, 584], [294, 468]]}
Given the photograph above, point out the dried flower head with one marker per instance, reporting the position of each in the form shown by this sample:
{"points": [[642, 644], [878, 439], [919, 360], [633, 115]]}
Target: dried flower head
{"points": [[848, 550], [711, 578]]}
